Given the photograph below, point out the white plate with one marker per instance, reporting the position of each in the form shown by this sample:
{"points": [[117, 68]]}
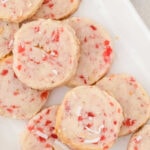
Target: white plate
{"points": [[132, 47]]}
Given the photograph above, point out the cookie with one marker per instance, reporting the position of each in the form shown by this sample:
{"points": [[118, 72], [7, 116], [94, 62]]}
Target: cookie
{"points": [[96, 52], [17, 100], [131, 96], [18, 10], [57, 9], [89, 119], [140, 140], [40, 133], [7, 31], [46, 54]]}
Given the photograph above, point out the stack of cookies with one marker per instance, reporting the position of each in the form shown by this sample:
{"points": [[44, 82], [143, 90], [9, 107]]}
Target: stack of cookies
{"points": [[40, 52]]}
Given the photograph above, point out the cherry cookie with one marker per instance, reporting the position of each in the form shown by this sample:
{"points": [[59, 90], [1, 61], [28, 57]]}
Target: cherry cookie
{"points": [[140, 140], [96, 52], [131, 96], [40, 133], [7, 31], [17, 100], [89, 119], [18, 10], [57, 9], [46, 54]]}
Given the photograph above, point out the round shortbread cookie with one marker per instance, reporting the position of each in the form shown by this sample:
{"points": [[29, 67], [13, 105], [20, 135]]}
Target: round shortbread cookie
{"points": [[46, 54], [96, 52], [57, 9], [40, 133], [16, 100], [131, 96], [18, 10], [89, 119], [140, 140], [7, 31]]}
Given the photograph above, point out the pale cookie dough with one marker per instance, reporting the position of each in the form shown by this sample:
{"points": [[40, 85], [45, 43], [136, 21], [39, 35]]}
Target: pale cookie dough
{"points": [[89, 119], [16, 100], [7, 31], [40, 133], [46, 54], [18, 10], [96, 52], [141, 139], [57, 9], [131, 96]]}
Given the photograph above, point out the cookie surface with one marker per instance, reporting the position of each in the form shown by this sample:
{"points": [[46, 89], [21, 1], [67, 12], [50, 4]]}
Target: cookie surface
{"points": [[56, 9], [16, 100], [96, 52], [7, 31], [18, 10], [40, 133], [131, 96], [141, 139], [46, 54], [88, 119]]}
